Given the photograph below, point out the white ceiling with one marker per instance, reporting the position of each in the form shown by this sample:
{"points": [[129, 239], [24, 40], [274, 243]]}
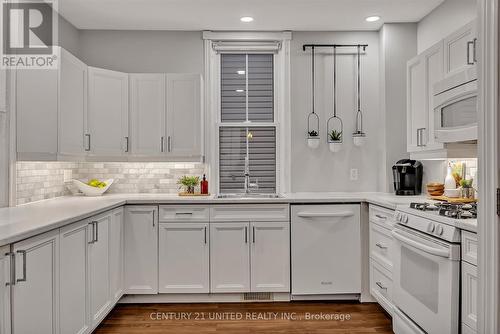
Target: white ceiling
{"points": [[225, 14]]}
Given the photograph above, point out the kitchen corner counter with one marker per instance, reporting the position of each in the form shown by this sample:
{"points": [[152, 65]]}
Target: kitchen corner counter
{"points": [[24, 221]]}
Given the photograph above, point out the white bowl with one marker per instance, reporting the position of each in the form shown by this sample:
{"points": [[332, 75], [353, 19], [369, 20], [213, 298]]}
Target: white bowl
{"points": [[92, 191], [452, 193]]}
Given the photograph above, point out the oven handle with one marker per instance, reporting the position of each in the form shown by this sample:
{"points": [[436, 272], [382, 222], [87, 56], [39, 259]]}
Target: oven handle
{"points": [[422, 247]]}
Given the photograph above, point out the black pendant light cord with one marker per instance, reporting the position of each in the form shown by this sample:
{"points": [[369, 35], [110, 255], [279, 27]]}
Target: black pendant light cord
{"points": [[313, 79], [359, 81], [334, 81]]}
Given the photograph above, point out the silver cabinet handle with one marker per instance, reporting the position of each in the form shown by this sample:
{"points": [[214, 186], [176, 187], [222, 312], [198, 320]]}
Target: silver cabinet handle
{"points": [[87, 135], [12, 269], [169, 144], [469, 44], [246, 234], [93, 233], [162, 144], [23, 253], [153, 212], [183, 213], [380, 246], [474, 50], [127, 144], [96, 231], [253, 234], [381, 217], [205, 234], [381, 286]]}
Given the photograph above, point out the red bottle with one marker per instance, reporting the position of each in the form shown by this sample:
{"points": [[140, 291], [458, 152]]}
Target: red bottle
{"points": [[204, 185]]}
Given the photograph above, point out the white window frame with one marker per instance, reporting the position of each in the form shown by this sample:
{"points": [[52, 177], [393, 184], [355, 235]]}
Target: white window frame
{"points": [[281, 100]]}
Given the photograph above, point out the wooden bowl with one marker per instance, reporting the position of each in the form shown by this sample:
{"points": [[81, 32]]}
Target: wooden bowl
{"points": [[435, 189]]}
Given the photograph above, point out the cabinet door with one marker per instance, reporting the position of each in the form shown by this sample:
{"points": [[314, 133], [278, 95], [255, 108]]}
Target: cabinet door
{"points": [[36, 114], [3, 90], [469, 295], [184, 258], [184, 115], [116, 255], [72, 104], [35, 296], [270, 257], [100, 296], [147, 113], [107, 112], [5, 281], [141, 249], [74, 282], [459, 49], [229, 257], [416, 103]]}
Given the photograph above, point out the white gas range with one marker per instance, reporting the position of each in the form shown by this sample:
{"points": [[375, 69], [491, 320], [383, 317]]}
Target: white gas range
{"points": [[427, 267]]}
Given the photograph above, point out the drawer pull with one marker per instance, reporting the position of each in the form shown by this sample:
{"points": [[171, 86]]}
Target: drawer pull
{"points": [[381, 286], [380, 246], [381, 217], [183, 213]]}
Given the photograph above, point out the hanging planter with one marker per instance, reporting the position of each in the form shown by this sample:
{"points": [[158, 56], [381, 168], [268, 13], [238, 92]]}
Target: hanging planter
{"points": [[334, 125], [313, 129], [359, 136]]}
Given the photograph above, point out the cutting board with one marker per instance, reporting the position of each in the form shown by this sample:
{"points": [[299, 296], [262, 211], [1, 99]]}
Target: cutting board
{"points": [[453, 200], [191, 194]]}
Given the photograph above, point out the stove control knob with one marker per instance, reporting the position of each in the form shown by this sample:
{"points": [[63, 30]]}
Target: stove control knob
{"points": [[430, 227], [439, 230], [398, 216], [405, 219]]}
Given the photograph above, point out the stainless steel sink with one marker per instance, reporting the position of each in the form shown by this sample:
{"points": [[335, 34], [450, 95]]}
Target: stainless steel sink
{"points": [[249, 196]]}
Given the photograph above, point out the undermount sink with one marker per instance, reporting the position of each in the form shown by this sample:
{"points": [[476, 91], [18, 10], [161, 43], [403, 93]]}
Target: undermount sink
{"points": [[248, 196]]}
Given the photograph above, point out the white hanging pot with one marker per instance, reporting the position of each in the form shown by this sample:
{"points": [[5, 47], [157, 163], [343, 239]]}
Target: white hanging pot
{"points": [[359, 140], [335, 146], [313, 143]]}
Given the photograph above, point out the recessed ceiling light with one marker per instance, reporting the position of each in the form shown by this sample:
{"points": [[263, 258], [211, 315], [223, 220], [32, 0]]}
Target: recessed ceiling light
{"points": [[372, 18], [239, 91], [241, 72], [246, 19]]}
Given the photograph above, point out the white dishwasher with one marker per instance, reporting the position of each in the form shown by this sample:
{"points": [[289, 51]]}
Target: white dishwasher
{"points": [[326, 251]]}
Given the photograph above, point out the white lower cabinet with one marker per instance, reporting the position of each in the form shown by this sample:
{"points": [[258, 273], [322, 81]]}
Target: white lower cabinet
{"points": [[116, 254], [141, 249], [184, 258], [229, 257], [270, 257], [100, 296], [469, 295], [35, 295], [5, 281], [74, 278]]}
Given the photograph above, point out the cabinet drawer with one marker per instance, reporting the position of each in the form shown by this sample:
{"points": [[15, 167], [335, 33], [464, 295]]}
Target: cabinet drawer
{"points": [[382, 216], [180, 213], [381, 245], [250, 212], [469, 247], [381, 285]]}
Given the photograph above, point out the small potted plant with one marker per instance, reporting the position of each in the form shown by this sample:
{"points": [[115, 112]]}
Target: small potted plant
{"points": [[313, 139], [466, 190], [188, 183], [335, 141]]}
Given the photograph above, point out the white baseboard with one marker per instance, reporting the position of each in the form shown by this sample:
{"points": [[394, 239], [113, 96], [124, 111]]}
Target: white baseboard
{"points": [[200, 298]]}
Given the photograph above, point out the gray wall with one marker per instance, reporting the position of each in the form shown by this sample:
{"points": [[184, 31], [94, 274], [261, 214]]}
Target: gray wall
{"points": [[69, 36], [143, 51], [398, 44], [321, 170]]}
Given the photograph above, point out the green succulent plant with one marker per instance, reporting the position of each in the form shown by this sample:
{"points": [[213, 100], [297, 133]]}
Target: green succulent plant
{"points": [[335, 135], [188, 182]]}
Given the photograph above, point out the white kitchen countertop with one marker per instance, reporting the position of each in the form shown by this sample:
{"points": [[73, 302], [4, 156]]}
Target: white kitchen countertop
{"points": [[24, 221]]}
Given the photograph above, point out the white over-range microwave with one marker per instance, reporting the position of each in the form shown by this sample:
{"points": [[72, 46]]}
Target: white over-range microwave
{"points": [[455, 108]]}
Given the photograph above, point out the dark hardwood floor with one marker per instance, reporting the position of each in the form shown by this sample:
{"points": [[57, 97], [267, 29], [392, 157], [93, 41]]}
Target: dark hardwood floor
{"points": [[242, 318]]}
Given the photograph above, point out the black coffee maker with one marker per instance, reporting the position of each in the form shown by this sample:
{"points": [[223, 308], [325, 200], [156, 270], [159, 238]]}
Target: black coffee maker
{"points": [[408, 177]]}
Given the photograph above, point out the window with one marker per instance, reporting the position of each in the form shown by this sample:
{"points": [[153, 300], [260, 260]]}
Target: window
{"points": [[247, 128]]}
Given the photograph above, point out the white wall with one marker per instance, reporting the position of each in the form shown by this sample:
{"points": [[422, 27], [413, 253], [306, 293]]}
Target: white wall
{"points": [[442, 21], [69, 36], [321, 170], [398, 44], [143, 51]]}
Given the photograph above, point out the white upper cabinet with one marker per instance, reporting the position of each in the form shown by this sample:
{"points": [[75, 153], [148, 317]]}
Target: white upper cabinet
{"points": [[5, 281], [147, 114], [74, 283], [35, 296], [107, 113], [36, 114], [270, 256], [141, 249], [72, 104], [3, 90], [460, 49], [184, 116]]}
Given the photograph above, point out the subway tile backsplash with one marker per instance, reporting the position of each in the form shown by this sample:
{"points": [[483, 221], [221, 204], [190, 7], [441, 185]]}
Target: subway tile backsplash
{"points": [[43, 180]]}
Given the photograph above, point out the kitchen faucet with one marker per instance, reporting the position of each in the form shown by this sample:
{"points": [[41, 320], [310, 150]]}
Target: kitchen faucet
{"points": [[248, 184]]}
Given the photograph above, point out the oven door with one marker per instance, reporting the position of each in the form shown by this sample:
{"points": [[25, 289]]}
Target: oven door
{"points": [[455, 114], [426, 280]]}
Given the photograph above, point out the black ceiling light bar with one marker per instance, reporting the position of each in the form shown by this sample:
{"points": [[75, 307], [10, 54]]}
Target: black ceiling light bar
{"points": [[363, 46]]}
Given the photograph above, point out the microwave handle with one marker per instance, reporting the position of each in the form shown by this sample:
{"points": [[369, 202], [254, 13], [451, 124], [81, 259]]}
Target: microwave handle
{"points": [[420, 246]]}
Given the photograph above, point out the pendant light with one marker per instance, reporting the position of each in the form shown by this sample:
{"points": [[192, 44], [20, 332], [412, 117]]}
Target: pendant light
{"points": [[313, 131], [334, 125], [359, 137]]}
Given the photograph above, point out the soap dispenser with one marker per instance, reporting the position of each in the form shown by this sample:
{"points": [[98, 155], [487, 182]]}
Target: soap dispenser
{"points": [[449, 181]]}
